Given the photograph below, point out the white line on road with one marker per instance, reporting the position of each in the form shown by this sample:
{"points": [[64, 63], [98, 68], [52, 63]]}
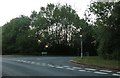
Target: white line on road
{"points": [[38, 63], [76, 68], [18, 60], [100, 73], [81, 70], [59, 67], [24, 61], [70, 68], [43, 64], [90, 69], [106, 71], [27, 61], [66, 66], [116, 74], [32, 62], [50, 65]]}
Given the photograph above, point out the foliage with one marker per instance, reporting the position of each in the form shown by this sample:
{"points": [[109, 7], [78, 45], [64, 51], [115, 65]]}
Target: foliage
{"points": [[13, 30], [107, 28], [57, 26]]}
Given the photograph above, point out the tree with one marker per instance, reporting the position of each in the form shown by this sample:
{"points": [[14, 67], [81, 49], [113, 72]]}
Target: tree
{"points": [[13, 30], [114, 28], [57, 26], [105, 28]]}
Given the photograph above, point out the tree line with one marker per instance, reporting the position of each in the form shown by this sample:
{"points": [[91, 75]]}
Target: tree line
{"points": [[106, 28], [59, 27]]}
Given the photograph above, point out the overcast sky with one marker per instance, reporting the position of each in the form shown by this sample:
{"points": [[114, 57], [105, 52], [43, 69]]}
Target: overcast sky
{"points": [[10, 9]]}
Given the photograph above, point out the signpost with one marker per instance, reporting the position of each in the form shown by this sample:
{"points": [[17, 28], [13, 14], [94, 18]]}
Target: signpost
{"points": [[44, 53]]}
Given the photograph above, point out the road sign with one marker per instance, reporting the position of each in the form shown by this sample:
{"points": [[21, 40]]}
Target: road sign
{"points": [[44, 53]]}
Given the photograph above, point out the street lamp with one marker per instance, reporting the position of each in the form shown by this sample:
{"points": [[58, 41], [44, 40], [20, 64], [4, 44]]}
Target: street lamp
{"points": [[81, 47], [45, 53], [46, 46], [39, 41]]}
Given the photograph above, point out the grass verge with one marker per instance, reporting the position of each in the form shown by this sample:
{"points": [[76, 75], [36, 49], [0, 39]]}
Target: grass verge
{"points": [[97, 62]]}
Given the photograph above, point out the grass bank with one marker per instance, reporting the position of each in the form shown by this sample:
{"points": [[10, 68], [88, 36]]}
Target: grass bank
{"points": [[97, 62]]}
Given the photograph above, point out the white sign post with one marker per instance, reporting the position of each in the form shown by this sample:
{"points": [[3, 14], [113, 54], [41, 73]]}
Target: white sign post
{"points": [[44, 53]]}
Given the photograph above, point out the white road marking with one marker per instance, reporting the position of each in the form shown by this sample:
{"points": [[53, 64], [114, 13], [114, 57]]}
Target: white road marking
{"points": [[106, 71], [100, 73], [50, 65], [116, 74], [66, 66], [81, 70], [24, 61], [76, 68], [59, 67], [87, 71], [90, 69], [38, 63], [27, 61], [32, 62], [43, 64], [70, 68], [18, 60]]}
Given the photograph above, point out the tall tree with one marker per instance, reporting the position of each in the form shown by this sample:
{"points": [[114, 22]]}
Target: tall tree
{"points": [[12, 31], [105, 26], [57, 26], [55, 23]]}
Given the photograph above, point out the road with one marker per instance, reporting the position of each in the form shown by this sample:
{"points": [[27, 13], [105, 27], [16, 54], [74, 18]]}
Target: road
{"points": [[48, 66]]}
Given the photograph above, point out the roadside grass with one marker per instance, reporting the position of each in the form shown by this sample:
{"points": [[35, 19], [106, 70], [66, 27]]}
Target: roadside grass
{"points": [[98, 62]]}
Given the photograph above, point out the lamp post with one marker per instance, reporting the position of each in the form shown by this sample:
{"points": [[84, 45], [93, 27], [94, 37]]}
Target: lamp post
{"points": [[79, 30], [81, 47], [46, 46]]}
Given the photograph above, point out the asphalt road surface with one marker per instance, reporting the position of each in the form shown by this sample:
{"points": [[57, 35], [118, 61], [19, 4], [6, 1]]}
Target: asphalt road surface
{"points": [[48, 66]]}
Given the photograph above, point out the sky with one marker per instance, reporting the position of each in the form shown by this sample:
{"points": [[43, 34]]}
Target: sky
{"points": [[10, 9]]}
